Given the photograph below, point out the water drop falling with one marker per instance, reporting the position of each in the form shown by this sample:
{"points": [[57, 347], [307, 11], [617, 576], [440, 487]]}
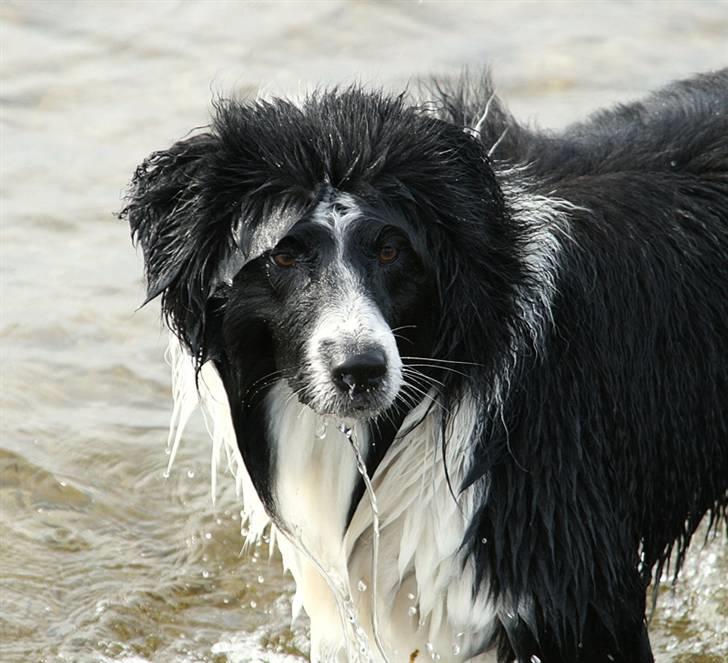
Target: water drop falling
{"points": [[369, 491], [362, 586], [321, 428]]}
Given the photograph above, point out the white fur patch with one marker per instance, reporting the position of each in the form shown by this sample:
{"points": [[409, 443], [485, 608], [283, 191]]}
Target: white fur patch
{"points": [[350, 319], [212, 400], [427, 599], [545, 221]]}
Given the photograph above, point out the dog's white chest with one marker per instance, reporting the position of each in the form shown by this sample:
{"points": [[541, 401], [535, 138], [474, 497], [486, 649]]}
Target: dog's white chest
{"points": [[425, 599]]}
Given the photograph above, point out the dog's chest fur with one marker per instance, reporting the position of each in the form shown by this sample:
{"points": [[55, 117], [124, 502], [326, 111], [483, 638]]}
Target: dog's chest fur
{"points": [[425, 596]]}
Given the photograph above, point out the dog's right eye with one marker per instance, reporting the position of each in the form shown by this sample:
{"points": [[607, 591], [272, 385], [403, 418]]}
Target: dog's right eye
{"points": [[284, 260]]}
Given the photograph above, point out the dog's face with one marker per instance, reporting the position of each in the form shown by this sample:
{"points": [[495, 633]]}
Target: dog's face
{"points": [[335, 293], [323, 244]]}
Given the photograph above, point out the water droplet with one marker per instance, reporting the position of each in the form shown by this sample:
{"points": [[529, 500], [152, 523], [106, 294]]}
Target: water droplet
{"points": [[261, 579], [456, 649], [208, 535], [411, 596], [253, 604], [190, 474], [205, 574], [321, 429], [412, 611], [362, 586], [673, 163], [165, 474], [535, 659], [484, 540]]}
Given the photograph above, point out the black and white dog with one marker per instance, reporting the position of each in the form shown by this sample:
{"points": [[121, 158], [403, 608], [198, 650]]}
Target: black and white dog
{"points": [[524, 334]]}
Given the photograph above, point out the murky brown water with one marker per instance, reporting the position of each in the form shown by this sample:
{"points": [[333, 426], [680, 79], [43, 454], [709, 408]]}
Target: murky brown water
{"points": [[101, 559]]}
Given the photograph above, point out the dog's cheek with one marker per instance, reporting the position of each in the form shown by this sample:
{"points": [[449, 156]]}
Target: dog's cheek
{"points": [[290, 329]]}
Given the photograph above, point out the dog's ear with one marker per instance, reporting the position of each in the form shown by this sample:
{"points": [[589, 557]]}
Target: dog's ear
{"points": [[469, 234], [185, 236]]}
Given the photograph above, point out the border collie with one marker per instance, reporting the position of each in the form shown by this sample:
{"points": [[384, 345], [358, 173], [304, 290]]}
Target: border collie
{"points": [[472, 375]]}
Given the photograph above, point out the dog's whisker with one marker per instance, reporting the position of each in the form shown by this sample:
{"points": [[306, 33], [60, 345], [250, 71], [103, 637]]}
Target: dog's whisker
{"points": [[420, 376], [439, 368], [442, 361]]}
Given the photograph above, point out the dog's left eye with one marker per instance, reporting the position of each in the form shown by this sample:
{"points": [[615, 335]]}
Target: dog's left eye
{"points": [[284, 260], [388, 254]]}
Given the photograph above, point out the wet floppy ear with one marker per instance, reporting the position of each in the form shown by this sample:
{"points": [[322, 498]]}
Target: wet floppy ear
{"points": [[469, 237], [183, 236]]}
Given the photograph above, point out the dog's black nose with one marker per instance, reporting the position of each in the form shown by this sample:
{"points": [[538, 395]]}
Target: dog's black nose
{"points": [[359, 373]]}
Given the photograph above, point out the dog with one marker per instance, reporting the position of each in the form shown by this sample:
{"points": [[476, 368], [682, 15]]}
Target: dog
{"points": [[474, 376]]}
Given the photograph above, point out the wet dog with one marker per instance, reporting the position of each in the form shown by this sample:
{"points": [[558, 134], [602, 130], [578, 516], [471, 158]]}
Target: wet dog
{"points": [[523, 335]]}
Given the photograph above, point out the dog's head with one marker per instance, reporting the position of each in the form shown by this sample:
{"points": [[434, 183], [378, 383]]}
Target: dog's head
{"points": [[333, 291], [333, 245]]}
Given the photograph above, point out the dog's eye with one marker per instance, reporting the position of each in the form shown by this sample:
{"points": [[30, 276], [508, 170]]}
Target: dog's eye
{"points": [[387, 254], [284, 260]]}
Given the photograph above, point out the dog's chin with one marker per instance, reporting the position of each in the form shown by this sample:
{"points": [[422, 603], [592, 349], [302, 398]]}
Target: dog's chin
{"points": [[360, 407]]}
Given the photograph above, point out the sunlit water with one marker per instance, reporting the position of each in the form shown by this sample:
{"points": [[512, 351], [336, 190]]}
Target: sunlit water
{"points": [[101, 558]]}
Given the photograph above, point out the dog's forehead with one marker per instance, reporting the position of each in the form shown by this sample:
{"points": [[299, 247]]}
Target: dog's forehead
{"points": [[337, 212]]}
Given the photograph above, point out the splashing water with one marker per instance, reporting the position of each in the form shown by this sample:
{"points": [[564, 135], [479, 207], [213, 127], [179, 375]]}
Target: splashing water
{"points": [[361, 466], [357, 646]]}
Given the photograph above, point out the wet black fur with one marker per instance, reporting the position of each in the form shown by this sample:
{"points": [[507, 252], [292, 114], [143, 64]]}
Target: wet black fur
{"points": [[609, 438]]}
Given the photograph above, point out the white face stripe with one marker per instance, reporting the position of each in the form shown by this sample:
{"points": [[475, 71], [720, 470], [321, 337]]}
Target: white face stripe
{"points": [[337, 215], [351, 319]]}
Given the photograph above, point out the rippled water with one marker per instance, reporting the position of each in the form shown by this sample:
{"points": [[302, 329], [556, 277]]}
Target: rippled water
{"points": [[102, 558]]}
